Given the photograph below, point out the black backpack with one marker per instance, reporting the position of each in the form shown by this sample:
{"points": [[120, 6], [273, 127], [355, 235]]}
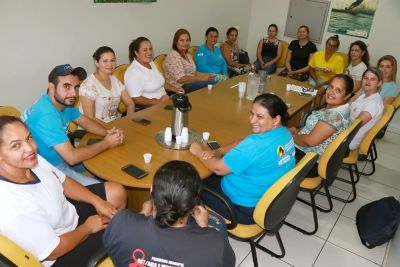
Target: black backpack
{"points": [[377, 221]]}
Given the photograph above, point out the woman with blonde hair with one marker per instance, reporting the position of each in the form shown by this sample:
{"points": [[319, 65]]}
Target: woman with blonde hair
{"points": [[390, 90]]}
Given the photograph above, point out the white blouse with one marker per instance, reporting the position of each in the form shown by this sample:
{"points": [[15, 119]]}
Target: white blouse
{"points": [[107, 101]]}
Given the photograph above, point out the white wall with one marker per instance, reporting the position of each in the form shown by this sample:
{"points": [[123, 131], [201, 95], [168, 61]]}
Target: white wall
{"points": [[37, 35], [384, 37]]}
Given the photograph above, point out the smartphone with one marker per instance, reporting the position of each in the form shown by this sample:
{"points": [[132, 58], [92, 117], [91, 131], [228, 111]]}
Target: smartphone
{"points": [[142, 121], [92, 141], [213, 145], [169, 107], [134, 171]]}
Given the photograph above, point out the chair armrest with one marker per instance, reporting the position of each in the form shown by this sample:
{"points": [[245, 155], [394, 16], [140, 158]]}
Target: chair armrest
{"points": [[228, 204], [97, 258]]}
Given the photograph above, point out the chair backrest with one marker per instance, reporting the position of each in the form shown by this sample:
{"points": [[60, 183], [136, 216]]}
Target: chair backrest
{"points": [[285, 48], [370, 136], [396, 103], [13, 255], [275, 204], [72, 127], [193, 50], [107, 262], [159, 61], [119, 72], [345, 59], [9, 110], [331, 160]]}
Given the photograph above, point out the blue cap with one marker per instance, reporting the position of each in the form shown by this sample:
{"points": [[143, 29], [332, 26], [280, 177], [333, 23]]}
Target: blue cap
{"points": [[66, 69]]}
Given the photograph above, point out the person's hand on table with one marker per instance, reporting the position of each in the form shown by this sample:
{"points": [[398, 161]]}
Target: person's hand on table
{"points": [[200, 215], [114, 139], [205, 76], [105, 208], [196, 149], [208, 155]]}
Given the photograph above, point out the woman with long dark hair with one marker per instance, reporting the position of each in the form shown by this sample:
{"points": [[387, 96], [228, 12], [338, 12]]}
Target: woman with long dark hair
{"points": [[179, 67], [101, 92]]}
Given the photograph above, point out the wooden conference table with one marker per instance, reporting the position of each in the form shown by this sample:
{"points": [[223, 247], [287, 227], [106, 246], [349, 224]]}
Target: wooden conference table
{"points": [[219, 111]]}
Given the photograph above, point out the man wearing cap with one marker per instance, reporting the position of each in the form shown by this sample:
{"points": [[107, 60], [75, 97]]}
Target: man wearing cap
{"points": [[48, 119]]}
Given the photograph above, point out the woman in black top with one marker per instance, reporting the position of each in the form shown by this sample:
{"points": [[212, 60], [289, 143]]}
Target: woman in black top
{"points": [[268, 51], [298, 55]]}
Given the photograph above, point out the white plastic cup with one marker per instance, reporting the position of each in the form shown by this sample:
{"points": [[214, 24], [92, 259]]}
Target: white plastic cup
{"points": [[241, 89], [168, 135], [185, 135], [178, 139], [206, 135], [209, 86], [147, 157]]}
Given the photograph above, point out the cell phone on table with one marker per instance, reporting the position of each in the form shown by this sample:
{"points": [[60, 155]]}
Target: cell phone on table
{"points": [[213, 145], [92, 141], [141, 121], [134, 171]]}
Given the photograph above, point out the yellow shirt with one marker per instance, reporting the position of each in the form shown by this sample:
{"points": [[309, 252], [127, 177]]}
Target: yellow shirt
{"points": [[325, 70]]}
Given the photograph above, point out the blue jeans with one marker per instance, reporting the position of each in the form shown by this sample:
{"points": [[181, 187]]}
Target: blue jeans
{"points": [[191, 87], [244, 214], [270, 69], [76, 173]]}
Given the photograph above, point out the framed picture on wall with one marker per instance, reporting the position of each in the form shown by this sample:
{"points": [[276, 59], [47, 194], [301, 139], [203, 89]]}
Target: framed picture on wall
{"points": [[352, 17], [123, 1]]}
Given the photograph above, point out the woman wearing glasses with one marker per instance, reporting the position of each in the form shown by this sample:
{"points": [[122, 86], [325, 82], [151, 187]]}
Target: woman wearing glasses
{"points": [[324, 65]]}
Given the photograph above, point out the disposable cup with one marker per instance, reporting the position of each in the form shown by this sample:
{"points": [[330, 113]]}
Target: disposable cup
{"points": [[185, 135], [147, 157], [178, 139], [241, 89], [206, 135]]}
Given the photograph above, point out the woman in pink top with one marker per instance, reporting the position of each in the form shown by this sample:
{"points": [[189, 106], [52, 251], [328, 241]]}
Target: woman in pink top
{"points": [[179, 66]]}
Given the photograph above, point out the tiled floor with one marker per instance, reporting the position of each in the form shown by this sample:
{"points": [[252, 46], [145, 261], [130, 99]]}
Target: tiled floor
{"points": [[336, 243]]}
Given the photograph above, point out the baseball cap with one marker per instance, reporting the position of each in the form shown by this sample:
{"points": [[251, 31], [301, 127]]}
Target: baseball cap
{"points": [[66, 69]]}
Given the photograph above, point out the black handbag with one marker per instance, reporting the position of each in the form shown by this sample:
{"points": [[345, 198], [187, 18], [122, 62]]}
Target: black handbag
{"points": [[244, 57]]}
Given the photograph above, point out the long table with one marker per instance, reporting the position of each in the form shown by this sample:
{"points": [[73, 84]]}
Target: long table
{"points": [[219, 111]]}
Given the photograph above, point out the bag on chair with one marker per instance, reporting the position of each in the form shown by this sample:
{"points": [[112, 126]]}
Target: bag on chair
{"points": [[377, 221], [244, 57]]}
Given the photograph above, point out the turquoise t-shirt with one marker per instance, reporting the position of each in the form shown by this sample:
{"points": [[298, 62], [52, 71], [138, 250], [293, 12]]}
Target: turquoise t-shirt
{"points": [[210, 61], [49, 127], [389, 89], [256, 163]]}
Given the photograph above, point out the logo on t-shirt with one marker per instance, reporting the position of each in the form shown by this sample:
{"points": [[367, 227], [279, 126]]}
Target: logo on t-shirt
{"points": [[139, 260], [280, 151]]}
